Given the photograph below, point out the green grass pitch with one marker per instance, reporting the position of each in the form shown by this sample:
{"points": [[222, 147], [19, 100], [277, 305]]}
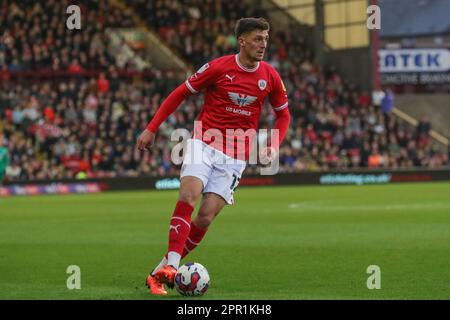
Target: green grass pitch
{"points": [[274, 243]]}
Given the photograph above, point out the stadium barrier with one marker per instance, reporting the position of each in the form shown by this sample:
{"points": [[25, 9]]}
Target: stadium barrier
{"points": [[354, 177]]}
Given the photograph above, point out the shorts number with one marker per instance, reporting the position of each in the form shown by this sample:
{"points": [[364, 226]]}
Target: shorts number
{"points": [[235, 179]]}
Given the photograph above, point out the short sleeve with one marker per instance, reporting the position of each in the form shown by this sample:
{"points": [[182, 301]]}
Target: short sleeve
{"points": [[278, 96], [203, 78]]}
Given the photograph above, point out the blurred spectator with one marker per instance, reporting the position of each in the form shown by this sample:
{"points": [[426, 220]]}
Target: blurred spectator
{"points": [[4, 158], [102, 83], [387, 104], [424, 126]]}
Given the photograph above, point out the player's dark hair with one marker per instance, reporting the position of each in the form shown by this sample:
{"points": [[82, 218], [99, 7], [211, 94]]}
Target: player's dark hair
{"points": [[245, 25]]}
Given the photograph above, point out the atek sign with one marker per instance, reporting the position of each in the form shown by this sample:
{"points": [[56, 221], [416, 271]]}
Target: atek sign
{"points": [[414, 60]]}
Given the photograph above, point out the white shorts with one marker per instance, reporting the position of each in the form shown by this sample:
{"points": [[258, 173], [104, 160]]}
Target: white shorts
{"points": [[219, 173]]}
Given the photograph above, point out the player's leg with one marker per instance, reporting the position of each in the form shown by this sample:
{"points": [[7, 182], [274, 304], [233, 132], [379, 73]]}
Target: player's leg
{"points": [[190, 190], [210, 207], [218, 191], [180, 223], [195, 173]]}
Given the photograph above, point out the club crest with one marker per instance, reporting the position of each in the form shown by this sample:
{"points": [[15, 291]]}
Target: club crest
{"points": [[262, 84]]}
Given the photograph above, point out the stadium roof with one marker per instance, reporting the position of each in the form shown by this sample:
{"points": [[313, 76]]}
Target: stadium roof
{"points": [[405, 18]]}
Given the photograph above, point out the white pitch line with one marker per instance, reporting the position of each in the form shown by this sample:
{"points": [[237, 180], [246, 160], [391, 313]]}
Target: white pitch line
{"points": [[330, 207]]}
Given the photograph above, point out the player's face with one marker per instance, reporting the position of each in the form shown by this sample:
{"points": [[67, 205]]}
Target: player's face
{"points": [[255, 43]]}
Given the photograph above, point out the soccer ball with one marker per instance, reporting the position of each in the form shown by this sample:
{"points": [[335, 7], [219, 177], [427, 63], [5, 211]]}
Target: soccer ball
{"points": [[192, 279]]}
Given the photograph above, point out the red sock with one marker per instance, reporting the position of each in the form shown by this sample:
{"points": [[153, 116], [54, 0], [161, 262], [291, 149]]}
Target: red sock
{"points": [[180, 225], [195, 236]]}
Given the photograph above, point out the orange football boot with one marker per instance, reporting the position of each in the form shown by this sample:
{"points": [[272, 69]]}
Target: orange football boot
{"points": [[155, 287], [166, 275]]}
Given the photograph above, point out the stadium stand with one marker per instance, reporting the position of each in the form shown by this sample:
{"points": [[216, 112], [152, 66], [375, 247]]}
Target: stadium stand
{"points": [[68, 111]]}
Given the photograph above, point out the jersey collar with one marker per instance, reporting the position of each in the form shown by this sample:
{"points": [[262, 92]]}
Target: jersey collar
{"points": [[244, 68]]}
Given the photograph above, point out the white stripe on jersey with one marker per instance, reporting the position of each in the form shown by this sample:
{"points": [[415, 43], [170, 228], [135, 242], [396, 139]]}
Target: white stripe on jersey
{"points": [[188, 85], [281, 107]]}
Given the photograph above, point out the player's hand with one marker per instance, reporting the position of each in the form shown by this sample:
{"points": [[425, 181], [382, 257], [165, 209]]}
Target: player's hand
{"points": [[145, 140], [268, 154]]}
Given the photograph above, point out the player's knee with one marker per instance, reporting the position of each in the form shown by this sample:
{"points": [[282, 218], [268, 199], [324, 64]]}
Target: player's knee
{"points": [[188, 197], [203, 220]]}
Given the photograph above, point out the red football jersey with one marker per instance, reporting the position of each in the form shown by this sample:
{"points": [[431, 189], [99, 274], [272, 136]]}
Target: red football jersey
{"points": [[234, 96]]}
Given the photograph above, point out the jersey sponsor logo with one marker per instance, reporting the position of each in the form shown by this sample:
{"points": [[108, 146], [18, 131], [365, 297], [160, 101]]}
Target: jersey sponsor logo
{"points": [[238, 111], [203, 68], [174, 227], [282, 84], [199, 71], [230, 77], [262, 84], [241, 100]]}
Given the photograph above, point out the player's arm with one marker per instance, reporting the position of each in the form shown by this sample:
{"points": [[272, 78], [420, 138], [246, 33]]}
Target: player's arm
{"points": [[279, 101], [282, 120], [147, 137], [196, 83]]}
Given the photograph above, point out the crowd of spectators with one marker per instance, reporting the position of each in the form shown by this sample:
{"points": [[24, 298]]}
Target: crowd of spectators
{"points": [[198, 30], [56, 130], [334, 125], [34, 36], [86, 126]]}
